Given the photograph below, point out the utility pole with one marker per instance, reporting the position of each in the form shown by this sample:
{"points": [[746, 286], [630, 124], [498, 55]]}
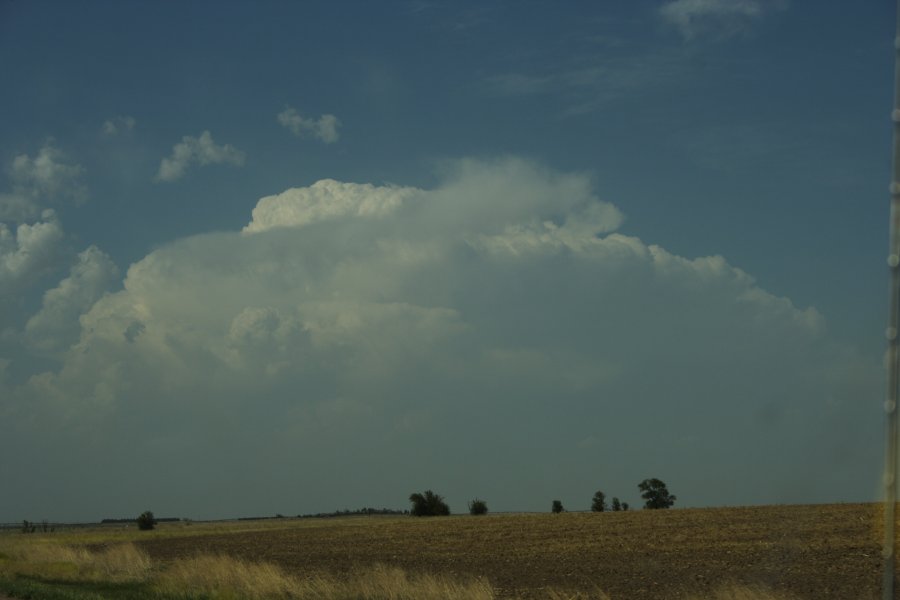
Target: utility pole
{"points": [[893, 336]]}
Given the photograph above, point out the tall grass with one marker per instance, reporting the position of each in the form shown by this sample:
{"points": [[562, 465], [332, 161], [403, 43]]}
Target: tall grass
{"points": [[740, 592], [223, 577], [597, 594], [45, 559], [228, 578]]}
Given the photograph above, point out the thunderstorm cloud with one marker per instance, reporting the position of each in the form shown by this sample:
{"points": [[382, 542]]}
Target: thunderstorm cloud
{"points": [[366, 341]]}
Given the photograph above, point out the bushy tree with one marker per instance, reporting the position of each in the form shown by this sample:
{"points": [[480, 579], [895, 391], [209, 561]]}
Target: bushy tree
{"points": [[478, 507], [624, 506], [557, 507], [616, 505], [655, 494], [598, 504], [146, 521], [428, 504]]}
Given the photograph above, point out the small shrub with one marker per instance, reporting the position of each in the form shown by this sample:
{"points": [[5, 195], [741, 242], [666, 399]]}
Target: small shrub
{"points": [[557, 507], [478, 507], [146, 521]]}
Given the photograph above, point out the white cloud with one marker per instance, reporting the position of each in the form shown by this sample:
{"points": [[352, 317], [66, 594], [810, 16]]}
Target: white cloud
{"points": [[31, 238], [118, 125], [47, 175], [324, 128], [721, 18], [18, 206], [56, 325], [498, 315], [40, 180], [197, 150], [29, 252], [326, 199]]}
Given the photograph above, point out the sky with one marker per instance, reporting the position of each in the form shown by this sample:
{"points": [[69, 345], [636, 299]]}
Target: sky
{"points": [[297, 257]]}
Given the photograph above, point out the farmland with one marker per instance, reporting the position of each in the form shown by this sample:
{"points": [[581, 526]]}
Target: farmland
{"points": [[806, 552]]}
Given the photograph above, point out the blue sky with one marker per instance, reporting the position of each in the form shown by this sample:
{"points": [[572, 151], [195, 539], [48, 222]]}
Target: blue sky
{"points": [[296, 257]]}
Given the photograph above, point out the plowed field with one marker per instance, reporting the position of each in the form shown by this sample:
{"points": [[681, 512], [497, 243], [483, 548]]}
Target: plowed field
{"points": [[813, 552]]}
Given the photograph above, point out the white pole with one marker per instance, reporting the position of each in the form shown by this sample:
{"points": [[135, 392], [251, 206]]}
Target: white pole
{"points": [[893, 354]]}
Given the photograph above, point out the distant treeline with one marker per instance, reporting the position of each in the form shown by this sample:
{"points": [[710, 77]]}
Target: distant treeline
{"points": [[337, 513], [134, 519], [360, 511]]}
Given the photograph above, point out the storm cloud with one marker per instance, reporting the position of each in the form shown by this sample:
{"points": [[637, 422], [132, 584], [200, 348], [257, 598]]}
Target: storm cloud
{"points": [[354, 343]]}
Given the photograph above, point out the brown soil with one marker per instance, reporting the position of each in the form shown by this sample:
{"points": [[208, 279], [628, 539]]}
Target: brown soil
{"points": [[812, 552]]}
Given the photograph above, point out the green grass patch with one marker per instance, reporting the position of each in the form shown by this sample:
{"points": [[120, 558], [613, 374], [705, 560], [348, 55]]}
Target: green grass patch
{"points": [[37, 588]]}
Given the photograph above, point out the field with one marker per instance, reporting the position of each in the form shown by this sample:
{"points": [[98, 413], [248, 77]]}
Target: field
{"points": [[804, 552]]}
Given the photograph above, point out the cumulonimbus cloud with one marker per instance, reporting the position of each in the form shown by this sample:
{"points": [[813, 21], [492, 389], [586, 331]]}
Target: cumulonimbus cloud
{"points": [[498, 315], [201, 150], [55, 326], [326, 199], [324, 128]]}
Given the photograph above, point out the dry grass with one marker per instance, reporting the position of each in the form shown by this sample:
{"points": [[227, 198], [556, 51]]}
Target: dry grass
{"points": [[739, 592], [597, 594], [222, 577], [811, 552], [515, 557], [47, 559], [226, 578], [728, 592]]}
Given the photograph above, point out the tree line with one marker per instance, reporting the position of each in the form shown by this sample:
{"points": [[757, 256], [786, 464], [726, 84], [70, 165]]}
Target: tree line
{"points": [[654, 491], [429, 504]]}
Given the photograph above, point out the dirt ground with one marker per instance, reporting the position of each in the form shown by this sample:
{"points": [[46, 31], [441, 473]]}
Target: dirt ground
{"points": [[813, 552]]}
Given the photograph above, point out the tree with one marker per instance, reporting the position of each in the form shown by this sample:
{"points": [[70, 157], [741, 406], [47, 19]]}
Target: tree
{"points": [[598, 504], [146, 521], [557, 507], [478, 507], [428, 504], [616, 505], [624, 506], [655, 494]]}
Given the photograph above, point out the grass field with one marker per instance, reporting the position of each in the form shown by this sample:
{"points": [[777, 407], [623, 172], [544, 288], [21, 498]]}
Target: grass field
{"points": [[776, 552]]}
